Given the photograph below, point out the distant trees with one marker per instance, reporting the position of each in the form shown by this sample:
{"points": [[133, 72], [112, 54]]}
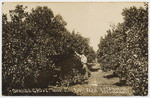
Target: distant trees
{"points": [[28, 41], [125, 49]]}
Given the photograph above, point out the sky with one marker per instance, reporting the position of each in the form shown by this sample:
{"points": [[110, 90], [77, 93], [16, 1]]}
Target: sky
{"points": [[91, 20]]}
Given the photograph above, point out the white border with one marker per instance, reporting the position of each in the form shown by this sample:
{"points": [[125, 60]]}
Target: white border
{"points": [[74, 0], [66, 1]]}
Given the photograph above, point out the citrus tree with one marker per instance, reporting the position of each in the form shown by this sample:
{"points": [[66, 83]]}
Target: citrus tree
{"points": [[30, 40], [125, 49]]}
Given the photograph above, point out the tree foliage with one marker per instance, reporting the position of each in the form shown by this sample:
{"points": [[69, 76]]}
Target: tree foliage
{"points": [[30, 40], [125, 49]]}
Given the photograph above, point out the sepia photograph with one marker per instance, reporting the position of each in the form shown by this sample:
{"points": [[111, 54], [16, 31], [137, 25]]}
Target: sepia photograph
{"points": [[74, 49]]}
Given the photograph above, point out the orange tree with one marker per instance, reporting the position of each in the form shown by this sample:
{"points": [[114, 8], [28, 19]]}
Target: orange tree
{"points": [[125, 49], [29, 39]]}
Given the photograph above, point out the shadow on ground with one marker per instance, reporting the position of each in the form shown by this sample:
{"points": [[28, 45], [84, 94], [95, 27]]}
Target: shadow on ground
{"points": [[114, 75], [94, 70], [121, 83]]}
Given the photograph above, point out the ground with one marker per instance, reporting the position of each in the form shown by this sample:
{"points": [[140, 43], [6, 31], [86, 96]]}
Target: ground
{"points": [[97, 85]]}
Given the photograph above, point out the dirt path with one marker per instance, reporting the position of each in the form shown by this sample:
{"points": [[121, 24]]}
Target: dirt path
{"points": [[99, 86]]}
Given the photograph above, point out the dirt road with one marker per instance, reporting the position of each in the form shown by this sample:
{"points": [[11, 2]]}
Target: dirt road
{"points": [[97, 85]]}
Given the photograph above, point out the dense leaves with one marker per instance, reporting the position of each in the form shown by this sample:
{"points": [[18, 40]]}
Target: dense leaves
{"points": [[125, 49], [32, 44]]}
